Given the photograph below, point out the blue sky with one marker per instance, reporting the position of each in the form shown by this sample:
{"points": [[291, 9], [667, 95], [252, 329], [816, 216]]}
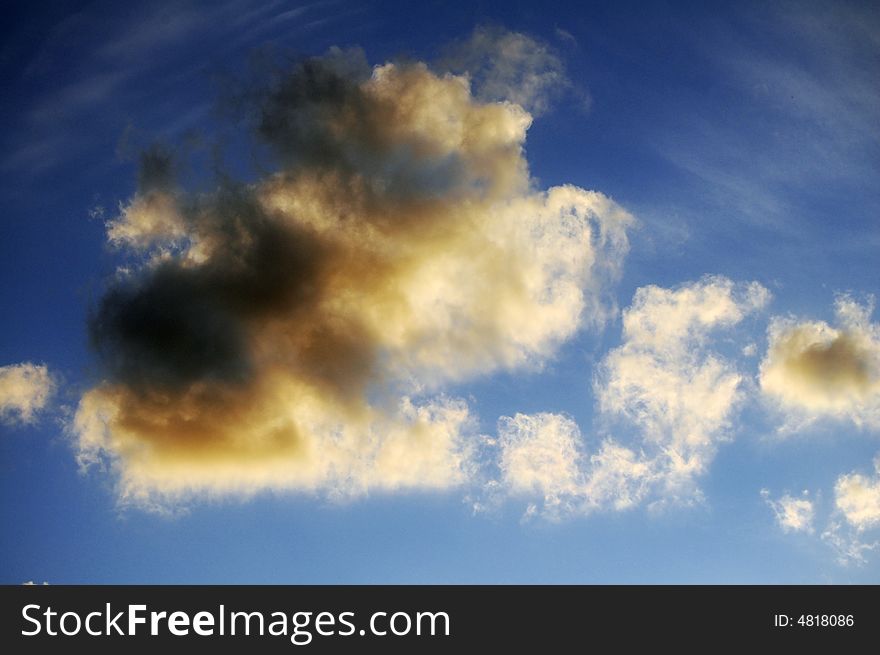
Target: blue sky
{"points": [[694, 400]]}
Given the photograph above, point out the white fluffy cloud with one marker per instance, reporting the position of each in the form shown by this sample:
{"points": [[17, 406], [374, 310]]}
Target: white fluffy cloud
{"points": [[24, 391], [666, 381], [541, 453], [813, 370], [792, 514], [542, 456], [669, 390]]}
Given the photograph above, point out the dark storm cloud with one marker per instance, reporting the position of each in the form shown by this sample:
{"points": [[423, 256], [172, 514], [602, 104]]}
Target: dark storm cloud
{"points": [[273, 334], [179, 322], [156, 169]]}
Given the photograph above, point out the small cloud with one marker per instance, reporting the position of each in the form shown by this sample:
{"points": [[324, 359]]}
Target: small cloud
{"points": [[813, 370], [24, 391], [852, 530], [850, 546], [792, 514], [857, 497]]}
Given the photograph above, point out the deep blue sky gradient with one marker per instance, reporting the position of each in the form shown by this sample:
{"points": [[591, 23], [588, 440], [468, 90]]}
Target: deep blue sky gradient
{"points": [[744, 136]]}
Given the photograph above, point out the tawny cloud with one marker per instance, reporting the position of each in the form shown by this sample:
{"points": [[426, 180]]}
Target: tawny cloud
{"points": [[664, 385], [24, 391], [297, 332], [813, 370]]}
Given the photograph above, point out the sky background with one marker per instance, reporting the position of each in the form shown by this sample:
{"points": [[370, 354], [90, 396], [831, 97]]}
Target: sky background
{"points": [[743, 137]]}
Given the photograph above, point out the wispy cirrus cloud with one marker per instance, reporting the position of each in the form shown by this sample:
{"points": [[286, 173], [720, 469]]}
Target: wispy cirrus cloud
{"points": [[124, 58], [774, 121]]}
